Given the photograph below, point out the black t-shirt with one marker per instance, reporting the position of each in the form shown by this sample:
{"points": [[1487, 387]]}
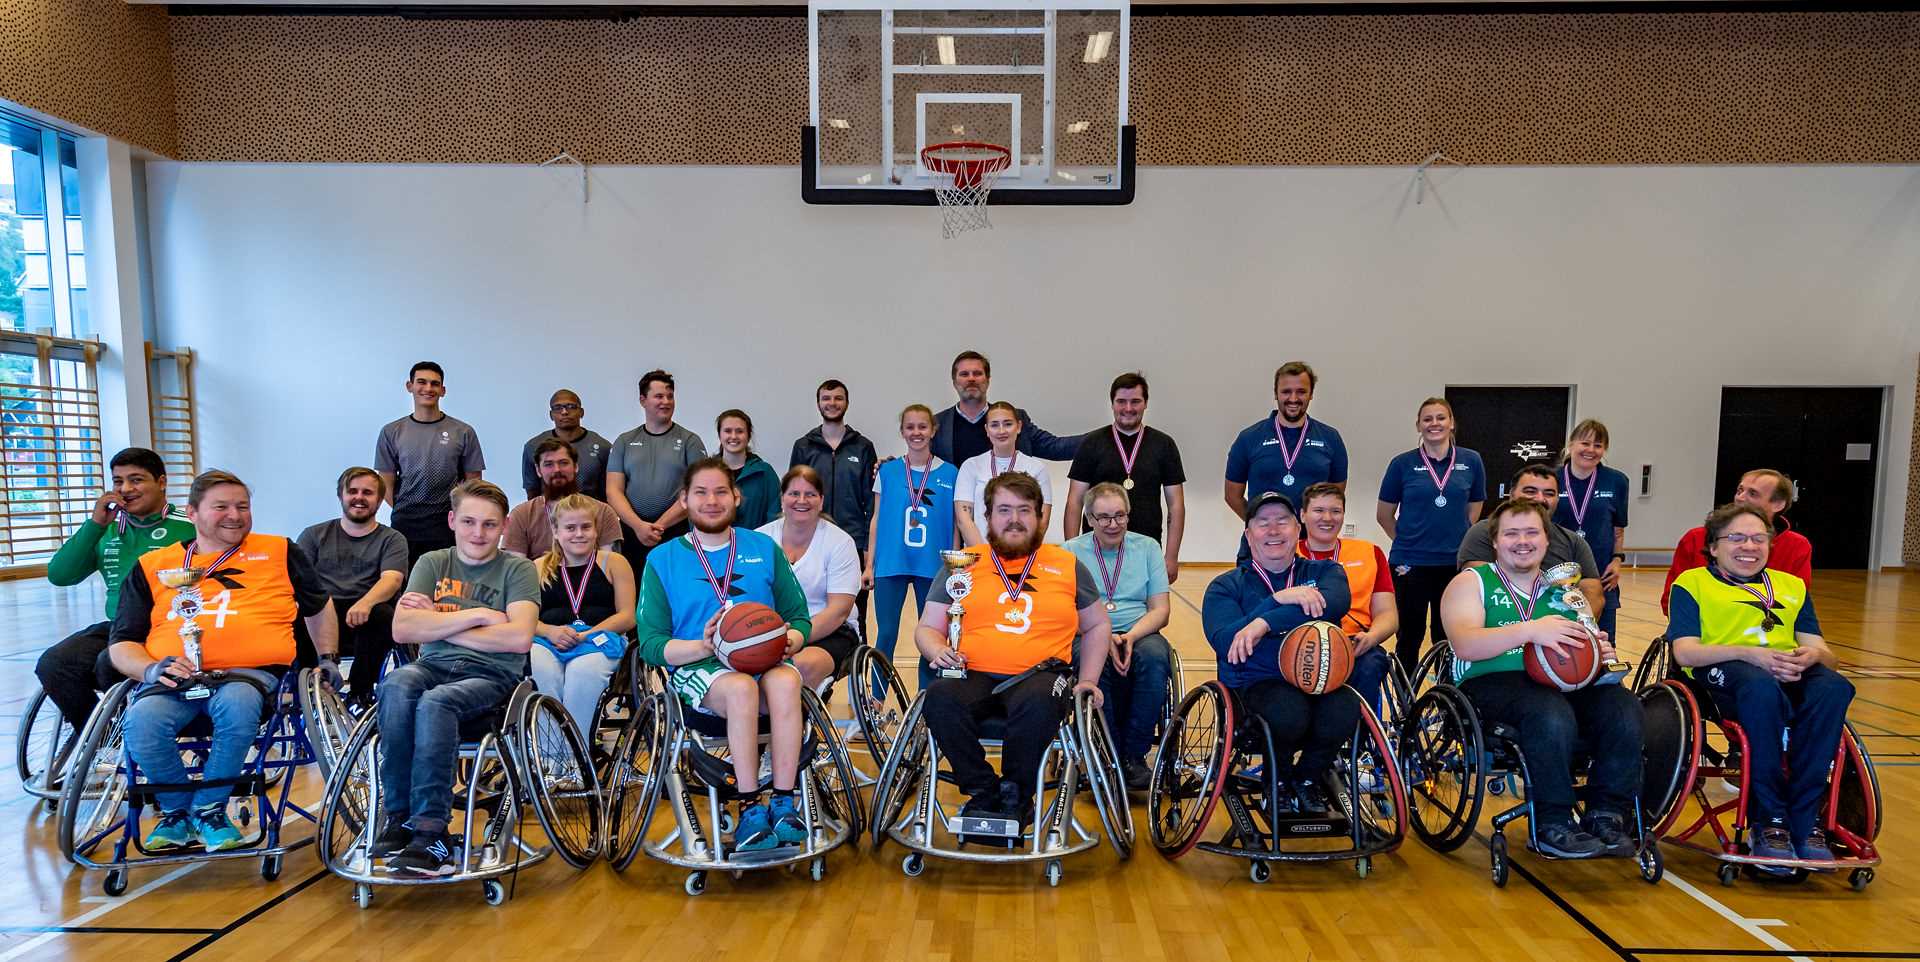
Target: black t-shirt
{"points": [[1157, 465], [597, 605], [969, 438]]}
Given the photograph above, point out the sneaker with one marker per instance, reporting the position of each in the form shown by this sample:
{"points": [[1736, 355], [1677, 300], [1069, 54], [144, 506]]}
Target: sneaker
{"points": [[216, 830], [1611, 830], [394, 840], [1015, 803], [788, 826], [428, 855], [1567, 841], [1309, 799], [174, 830], [755, 832], [1772, 842], [1138, 776], [1814, 848]]}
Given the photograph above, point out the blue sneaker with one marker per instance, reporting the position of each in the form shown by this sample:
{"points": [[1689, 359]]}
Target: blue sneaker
{"points": [[788, 826], [174, 830], [1814, 847], [216, 830], [1771, 842], [755, 831]]}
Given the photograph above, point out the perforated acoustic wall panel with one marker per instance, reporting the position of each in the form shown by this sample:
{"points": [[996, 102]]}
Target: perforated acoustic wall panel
{"points": [[1750, 88], [101, 64]]}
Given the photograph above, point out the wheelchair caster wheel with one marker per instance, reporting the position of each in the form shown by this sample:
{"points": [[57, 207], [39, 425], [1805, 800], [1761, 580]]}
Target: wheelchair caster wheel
{"points": [[270, 867], [52, 805], [1728, 872], [1499, 849], [116, 883], [1860, 878], [1496, 787], [244, 816], [1053, 872], [363, 895], [913, 865], [817, 870], [1652, 866], [728, 823], [1362, 865], [696, 883], [1259, 872], [495, 892]]}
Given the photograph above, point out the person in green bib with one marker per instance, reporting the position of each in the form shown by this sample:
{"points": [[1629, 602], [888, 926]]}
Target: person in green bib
{"points": [[1492, 612], [1749, 635]]}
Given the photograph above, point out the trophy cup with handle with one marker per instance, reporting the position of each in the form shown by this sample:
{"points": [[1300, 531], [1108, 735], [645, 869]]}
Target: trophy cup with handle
{"points": [[1565, 578], [187, 605], [959, 585]]}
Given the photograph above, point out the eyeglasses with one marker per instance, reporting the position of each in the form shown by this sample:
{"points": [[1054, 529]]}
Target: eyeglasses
{"points": [[1118, 518], [563, 408], [1757, 539]]}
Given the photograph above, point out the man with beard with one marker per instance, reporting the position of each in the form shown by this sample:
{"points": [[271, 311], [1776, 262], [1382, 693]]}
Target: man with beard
{"points": [[960, 431], [1540, 484], [845, 460], [1143, 461], [421, 457], [590, 449], [529, 529], [645, 469], [1771, 492], [689, 582], [362, 565], [1286, 451], [1028, 602]]}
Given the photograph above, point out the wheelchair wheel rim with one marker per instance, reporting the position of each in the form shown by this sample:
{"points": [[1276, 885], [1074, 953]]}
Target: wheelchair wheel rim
{"points": [[1190, 769], [564, 786], [900, 773], [832, 769], [1671, 737], [1442, 766], [634, 784], [1104, 775], [346, 809], [1856, 804], [90, 805], [45, 740], [879, 702]]}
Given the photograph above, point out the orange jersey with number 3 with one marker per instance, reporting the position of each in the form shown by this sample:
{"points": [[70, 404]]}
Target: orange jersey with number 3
{"points": [[1004, 636]]}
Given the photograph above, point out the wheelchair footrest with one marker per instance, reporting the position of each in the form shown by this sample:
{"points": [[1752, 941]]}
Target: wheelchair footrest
{"points": [[760, 855], [243, 786], [979, 830]]}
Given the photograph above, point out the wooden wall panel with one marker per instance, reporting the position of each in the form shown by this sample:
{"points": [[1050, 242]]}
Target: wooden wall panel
{"points": [[99, 64]]}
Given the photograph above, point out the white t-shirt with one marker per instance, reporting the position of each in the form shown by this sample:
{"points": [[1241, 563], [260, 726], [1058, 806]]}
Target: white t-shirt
{"points": [[831, 566], [978, 470]]}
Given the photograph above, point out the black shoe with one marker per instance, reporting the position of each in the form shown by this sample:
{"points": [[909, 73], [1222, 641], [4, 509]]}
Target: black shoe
{"points": [[988, 804], [1567, 841], [1309, 799], [394, 839], [429, 855], [1016, 804], [1611, 830], [1137, 775]]}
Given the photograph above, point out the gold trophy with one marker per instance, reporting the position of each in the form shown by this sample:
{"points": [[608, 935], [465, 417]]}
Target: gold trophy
{"points": [[187, 605], [959, 585], [1566, 578]]}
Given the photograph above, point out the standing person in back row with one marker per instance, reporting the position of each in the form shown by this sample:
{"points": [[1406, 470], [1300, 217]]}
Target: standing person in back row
{"points": [[644, 471], [1143, 461], [960, 432], [1429, 497], [1593, 502], [1771, 492], [589, 448], [1286, 451], [420, 458], [845, 461]]}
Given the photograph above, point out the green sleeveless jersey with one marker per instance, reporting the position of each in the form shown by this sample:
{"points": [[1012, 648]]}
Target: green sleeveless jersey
{"points": [[1501, 611]]}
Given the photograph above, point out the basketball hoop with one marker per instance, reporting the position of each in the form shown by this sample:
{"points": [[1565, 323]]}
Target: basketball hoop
{"points": [[963, 175]]}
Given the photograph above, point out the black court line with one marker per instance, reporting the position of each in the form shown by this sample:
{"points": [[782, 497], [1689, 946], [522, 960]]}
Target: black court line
{"points": [[1875, 653], [1566, 907], [98, 930], [219, 934], [1778, 953]]}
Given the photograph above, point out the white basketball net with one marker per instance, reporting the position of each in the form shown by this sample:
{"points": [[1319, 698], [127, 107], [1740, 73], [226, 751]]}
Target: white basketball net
{"points": [[963, 176]]}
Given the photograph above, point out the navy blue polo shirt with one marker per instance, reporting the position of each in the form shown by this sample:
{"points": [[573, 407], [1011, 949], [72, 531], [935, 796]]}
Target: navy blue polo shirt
{"points": [[1256, 461], [1427, 533], [1606, 509]]}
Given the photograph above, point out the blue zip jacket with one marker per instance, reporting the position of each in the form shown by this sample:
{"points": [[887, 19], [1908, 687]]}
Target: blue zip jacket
{"points": [[1236, 598]]}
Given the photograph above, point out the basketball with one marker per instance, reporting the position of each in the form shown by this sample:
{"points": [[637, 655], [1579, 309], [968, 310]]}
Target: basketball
{"points": [[751, 639], [1316, 657], [1565, 672]]}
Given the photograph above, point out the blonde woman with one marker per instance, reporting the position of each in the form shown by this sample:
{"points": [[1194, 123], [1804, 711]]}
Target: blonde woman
{"points": [[586, 610]]}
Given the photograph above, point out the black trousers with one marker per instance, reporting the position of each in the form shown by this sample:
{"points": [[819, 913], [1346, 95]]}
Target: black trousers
{"points": [[75, 669], [1605, 717], [368, 644], [421, 542], [636, 552], [1416, 596], [1033, 708], [1313, 725]]}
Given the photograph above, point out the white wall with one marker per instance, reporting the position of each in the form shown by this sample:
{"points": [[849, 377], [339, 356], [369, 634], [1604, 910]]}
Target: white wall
{"points": [[308, 290]]}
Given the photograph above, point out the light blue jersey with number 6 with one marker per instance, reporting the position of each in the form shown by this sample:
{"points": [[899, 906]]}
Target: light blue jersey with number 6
{"points": [[912, 532]]}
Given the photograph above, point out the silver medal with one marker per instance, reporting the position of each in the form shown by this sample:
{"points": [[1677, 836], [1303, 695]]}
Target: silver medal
{"points": [[1439, 500], [1287, 480], [1112, 607]]}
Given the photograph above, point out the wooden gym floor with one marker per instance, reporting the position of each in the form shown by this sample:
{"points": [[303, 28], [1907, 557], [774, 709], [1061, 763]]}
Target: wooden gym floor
{"points": [[1415, 905]]}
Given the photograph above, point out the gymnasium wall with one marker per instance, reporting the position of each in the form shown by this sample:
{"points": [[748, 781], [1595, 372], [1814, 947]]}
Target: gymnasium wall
{"points": [[307, 289], [101, 64]]}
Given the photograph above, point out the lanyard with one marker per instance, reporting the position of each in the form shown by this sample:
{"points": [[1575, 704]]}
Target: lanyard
{"points": [[576, 598], [1262, 572], [914, 491], [1579, 507], [1440, 480], [187, 546], [1013, 587], [1525, 610], [1770, 620], [1127, 458], [719, 587], [1287, 457], [1111, 581]]}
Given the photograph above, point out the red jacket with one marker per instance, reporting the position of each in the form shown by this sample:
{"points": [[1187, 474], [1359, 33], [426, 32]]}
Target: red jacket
{"points": [[1792, 553]]}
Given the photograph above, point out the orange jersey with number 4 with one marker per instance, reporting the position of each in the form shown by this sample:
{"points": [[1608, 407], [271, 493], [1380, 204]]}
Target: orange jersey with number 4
{"points": [[245, 611]]}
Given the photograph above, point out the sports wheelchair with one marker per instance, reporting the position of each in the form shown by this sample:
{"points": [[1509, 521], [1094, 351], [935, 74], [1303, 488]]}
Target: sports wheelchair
{"points": [[1452, 762], [668, 753], [907, 807], [41, 748], [1686, 732], [1216, 750], [103, 794], [525, 753]]}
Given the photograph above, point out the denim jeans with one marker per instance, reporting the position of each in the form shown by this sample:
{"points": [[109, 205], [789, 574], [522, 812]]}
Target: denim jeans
{"points": [[153, 724], [1135, 700], [1811, 712], [421, 707], [889, 593], [578, 683]]}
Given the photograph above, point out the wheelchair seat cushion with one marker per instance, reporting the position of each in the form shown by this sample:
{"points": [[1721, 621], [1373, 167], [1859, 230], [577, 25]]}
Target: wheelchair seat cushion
{"points": [[714, 726]]}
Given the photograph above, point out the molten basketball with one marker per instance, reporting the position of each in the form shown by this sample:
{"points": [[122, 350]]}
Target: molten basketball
{"points": [[1565, 672], [1316, 657], [752, 638]]}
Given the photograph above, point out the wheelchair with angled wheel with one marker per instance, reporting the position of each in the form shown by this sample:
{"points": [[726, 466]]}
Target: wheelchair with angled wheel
{"points": [[526, 753], [42, 746], [1686, 731], [104, 795], [1452, 762]]}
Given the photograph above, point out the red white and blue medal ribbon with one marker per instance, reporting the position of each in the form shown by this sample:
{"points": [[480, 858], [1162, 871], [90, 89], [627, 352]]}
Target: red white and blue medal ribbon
{"points": [[1439, 480], [1579, 507], [1119, 558], [1288, 457], [1126, 458], [1525, 609], [719, 587], [1013, 587]]}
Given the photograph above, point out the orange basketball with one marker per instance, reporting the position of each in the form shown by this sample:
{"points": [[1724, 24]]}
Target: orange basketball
{"points": [[1316, 657], [1564, 672], [752, 638]]}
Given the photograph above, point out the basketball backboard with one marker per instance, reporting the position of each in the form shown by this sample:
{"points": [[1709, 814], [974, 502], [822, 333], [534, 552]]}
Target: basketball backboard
{"points": [[890, 78]]}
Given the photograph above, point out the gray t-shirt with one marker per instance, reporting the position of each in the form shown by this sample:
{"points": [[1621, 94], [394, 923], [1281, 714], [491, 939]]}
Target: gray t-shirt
{"points": [[590, 472], [348, 566], [1562, 546], [653, 464], [453, 584], [427, 459]]}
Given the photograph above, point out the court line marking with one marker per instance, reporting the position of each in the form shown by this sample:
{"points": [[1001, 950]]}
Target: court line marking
{"points": [[100, 930], [1562, 904], [83, 918], [1762, 953], [258, 911], [1753, 927]]}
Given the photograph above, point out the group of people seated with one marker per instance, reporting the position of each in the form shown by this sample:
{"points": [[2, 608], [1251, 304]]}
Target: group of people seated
{"points": [[203, 612]]}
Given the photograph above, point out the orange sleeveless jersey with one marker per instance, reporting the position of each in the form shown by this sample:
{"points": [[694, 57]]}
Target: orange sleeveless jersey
{"points": [[1357, 559], [247, 607], [1004, 637]]}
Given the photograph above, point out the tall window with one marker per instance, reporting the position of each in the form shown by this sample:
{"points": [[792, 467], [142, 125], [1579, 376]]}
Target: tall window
{"points": [[43, 260]]}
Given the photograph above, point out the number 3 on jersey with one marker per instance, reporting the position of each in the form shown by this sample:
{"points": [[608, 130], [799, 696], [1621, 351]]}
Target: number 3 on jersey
{"points": [[1020, 619], [915, 533]]}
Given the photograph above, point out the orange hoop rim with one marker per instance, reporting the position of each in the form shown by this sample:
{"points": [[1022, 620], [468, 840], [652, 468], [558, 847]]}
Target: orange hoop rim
{"points": [[967, 171]]}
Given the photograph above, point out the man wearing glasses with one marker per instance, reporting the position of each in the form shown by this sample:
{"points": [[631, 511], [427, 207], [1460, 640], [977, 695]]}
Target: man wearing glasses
{"points": [[590, 471], [1771, 492]]}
